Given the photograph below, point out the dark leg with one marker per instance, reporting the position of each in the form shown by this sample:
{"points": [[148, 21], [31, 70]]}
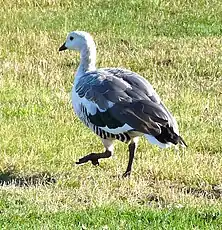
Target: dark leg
{"points": [[132, 150], [94, 157]]}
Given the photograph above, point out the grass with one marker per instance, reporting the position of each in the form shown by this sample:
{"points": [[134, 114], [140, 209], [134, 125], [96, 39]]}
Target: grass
{"points": [[177, 46], [118, 218]]}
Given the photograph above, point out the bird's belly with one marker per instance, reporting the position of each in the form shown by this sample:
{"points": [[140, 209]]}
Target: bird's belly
{"points": [[124, 137]]}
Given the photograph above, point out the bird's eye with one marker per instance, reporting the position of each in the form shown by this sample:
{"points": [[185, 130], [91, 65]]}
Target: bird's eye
{"points": [[71, 38]]}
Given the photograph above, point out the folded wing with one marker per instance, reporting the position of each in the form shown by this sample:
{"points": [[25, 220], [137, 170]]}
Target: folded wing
{"points": [[124, 99]]}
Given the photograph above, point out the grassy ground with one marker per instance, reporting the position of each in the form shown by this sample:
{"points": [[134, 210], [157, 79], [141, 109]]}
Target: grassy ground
{"points": [[177, 46]]}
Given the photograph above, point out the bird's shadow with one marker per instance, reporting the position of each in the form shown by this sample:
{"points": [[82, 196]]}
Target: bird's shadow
{"points": [[9, 177]]}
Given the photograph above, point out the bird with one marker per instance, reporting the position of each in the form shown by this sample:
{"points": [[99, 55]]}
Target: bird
{"points": [[117, 104]]}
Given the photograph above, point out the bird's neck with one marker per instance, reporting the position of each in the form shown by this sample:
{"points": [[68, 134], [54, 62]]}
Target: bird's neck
{"points": [[87, 59]]}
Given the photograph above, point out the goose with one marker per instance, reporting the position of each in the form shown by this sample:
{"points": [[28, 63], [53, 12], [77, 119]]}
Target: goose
{"points": [[117, 104]]}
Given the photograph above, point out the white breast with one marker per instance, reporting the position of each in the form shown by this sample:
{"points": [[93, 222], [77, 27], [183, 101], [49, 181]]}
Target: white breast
{"points": [[77, 102]]}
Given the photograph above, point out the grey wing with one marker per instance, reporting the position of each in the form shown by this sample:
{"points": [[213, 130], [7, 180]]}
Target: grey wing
{"points": [[123, 97], [140, 84], [102, 88]]}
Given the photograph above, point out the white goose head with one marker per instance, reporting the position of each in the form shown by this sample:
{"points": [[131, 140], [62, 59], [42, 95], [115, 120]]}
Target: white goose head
{"points": [[78, 40], [83, 42]]}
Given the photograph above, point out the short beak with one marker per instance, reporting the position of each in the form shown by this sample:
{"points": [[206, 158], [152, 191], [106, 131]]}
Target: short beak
{"points": [[63, 47]]}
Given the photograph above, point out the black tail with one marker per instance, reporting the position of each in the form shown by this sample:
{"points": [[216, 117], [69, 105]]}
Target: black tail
{"points": [[182, 142], [168, 135]]}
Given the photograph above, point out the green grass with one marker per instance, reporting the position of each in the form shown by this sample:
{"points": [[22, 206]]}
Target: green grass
{"points": [[177, 46], [117, 218]]}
